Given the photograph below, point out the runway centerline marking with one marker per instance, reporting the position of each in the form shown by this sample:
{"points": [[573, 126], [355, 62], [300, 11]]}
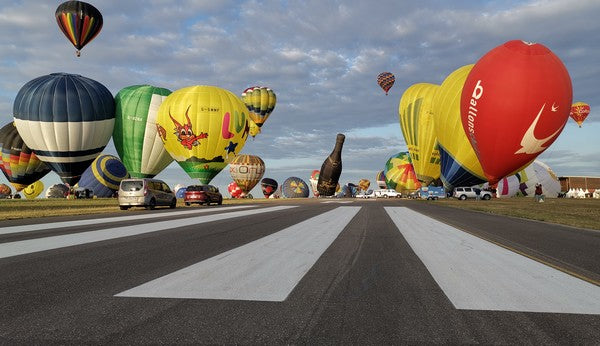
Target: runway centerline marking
{"points": [[54, 242], [63, 224], [266, 269], [478, 275]]}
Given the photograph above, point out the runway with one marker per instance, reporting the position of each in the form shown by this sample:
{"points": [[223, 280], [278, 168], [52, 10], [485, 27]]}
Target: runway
{"points": [[358, 272]]}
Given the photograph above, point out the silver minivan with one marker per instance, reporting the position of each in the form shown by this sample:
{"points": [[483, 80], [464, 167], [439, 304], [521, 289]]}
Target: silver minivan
{"points": [[144, 192]]}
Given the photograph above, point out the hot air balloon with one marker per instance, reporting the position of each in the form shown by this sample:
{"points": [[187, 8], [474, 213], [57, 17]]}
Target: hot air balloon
{"points": [[294, 187], [57, 191], [268, 186], [5, 191], [260, 102], [386, 81], [203, 128], [246, 171], [33, 190], [514, 104], [364, 184], [380, 178], [416, 121], [314, 181], [234, 190], [79, 21], [135, 134], [458, 161], [537, 173], [18, 163], [104, 176], [400, 174], [579, 111], [66, 119]]}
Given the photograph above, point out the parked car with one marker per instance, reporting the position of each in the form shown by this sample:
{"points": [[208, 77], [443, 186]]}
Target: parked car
{"points": [[431, 192], [202, 194], [387, 193], [145, 192], [463, 193], [366, 194]]}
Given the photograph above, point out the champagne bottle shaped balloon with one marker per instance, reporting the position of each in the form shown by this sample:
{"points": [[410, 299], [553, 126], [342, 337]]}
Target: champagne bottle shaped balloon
{"points": [[331, 169]]}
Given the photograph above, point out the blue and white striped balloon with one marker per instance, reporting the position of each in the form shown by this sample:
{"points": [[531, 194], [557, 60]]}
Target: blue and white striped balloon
{"points": [[66, 119]]}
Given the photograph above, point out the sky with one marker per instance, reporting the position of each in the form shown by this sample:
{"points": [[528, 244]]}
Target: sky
{"points": [[321, 58]]}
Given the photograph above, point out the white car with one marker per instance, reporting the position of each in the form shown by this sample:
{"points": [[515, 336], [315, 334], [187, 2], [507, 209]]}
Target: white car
{"points": [[366, 194], [387, 193], [463, 193]]}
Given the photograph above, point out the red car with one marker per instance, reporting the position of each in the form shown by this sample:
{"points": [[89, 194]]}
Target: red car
{"points": [[202, 194]]}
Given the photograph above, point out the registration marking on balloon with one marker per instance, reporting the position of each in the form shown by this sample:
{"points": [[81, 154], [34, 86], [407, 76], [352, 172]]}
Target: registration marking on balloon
{"points": [[266, 269], [478, 275]]}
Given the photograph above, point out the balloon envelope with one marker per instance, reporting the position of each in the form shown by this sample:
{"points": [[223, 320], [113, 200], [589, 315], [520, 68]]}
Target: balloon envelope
{"points": [[18, 163], [57, 191], [380, 178], [400, 175], [416, 121], [515, 102], [5, 191], [268, 186], [203, 128], [234, 190], [579, 111], [260, 102], [79, 21], [246, 171], [33, 190], [135, 134], [66, 119], [386, 81], [294, 187], [364, 184], [104, 176], [314, 181], [459, 164]]}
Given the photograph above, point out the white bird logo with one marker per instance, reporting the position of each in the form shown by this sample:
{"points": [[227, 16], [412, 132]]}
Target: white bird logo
{"points": [[530, 144]]}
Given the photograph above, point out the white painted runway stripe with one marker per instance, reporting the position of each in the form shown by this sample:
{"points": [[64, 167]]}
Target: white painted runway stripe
{"points": [[342, 202], [478, 275], [48, 243], [266, 269], [62, 224]]}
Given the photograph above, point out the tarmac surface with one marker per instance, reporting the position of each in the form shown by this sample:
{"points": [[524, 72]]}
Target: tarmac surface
{"points": [[385, 271]]}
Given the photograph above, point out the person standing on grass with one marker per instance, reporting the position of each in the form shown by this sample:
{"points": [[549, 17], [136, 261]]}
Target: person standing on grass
{"points": [[539, 194]]}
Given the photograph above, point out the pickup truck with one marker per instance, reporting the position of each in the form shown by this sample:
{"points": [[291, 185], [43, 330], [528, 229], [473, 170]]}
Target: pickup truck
{"points": [[387, 193]]}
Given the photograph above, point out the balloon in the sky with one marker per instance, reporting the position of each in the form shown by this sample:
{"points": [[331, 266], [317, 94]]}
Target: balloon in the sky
{"points": [[400, 174], [234, 190], [260, 102], [380, 178], [104, 176], [57, 191], [416, 121], [18, 163], [135, 134], [5, 191], [459, 163], [515, 102], [203, 128], [294, 187], [33, 190], [246, 171], [314, 181], [579, 111], [253, 129], [268, 186], [386, 81], [79, 21], [66, 119], [364, 184]]}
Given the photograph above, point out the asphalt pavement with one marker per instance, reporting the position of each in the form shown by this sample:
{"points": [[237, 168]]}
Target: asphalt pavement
{"points": [[361, 272]]}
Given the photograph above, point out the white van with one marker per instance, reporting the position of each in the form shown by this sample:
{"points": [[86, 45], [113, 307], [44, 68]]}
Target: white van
{"points": [[387, 193], [144, 192]]}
